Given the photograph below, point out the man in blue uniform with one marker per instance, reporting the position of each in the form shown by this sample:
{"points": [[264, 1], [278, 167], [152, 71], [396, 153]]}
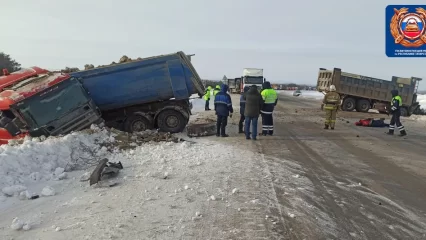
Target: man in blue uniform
{"points": [[223, 108], [395, 110], [270, 99]]}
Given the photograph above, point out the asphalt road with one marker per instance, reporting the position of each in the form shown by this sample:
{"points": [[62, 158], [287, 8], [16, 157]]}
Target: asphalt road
{"points": [[348, 183]]}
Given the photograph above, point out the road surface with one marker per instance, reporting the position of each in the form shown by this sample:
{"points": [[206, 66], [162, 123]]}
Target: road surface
{"points": [[348, 183], [302, 183]]}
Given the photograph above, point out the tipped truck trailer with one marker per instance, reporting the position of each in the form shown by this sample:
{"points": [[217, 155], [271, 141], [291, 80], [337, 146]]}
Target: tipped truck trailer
{"points": [[131, 96], [363, 93], [151, 93]]}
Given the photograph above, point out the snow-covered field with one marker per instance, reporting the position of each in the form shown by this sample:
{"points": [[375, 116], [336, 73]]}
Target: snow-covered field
{"points": [[317, 95], [305, 94]]}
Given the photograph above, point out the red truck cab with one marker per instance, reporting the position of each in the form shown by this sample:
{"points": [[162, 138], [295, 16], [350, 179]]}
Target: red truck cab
{"points": [[15, 87]]}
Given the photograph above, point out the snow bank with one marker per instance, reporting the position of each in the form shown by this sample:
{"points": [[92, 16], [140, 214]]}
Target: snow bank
{"points": [[35, 160], [305, 94]]}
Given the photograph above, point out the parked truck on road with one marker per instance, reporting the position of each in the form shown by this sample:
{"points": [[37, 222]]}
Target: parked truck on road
{"points": [[363, 93], [252, 76], [133, 96]]}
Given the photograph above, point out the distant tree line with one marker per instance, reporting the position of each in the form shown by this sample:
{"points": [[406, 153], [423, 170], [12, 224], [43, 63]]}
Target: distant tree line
{"points": [[6, 62]]}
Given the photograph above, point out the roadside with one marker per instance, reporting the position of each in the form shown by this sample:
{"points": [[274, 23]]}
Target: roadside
{"points": [[353, 183], [302, 183]]}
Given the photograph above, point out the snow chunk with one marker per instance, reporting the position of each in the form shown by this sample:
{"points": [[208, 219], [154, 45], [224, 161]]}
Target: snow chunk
{"points": [[48, 191], [59, 171], [17, 224], [62, 176], [213, 198], [235, 190], [13, 190], [26, 227]]}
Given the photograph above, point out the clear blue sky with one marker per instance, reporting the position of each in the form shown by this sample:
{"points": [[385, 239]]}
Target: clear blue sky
{"points": [[289, 39]]}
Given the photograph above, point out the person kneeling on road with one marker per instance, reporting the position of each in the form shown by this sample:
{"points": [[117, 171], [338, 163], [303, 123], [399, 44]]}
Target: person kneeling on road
{"points": [[254, 103], [223, 108], [331, 101], [242, 107]]}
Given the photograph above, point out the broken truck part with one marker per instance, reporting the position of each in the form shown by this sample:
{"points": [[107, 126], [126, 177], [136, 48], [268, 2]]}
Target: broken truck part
{"points": [[363, 93], [104, 170]]}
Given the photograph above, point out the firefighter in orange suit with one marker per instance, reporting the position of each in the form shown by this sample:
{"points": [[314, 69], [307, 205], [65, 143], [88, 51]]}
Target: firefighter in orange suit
{"points": [[330, 103]]}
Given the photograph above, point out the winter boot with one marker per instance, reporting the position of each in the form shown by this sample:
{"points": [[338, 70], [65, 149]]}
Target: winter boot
{"points": [[402, 133], [240, 129], [326, 126], [224, 135], [391, 131]]}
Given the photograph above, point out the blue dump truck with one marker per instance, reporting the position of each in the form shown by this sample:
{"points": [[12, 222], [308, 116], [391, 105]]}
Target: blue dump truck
{"points": [[133, 96]]}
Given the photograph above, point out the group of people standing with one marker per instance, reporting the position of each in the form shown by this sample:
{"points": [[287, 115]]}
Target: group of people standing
{"points": [[253, 103], [331, 102]]}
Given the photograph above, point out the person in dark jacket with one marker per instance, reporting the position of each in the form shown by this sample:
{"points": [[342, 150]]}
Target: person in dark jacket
{"points": [[223, 108], [254, 104], [242, 107]]}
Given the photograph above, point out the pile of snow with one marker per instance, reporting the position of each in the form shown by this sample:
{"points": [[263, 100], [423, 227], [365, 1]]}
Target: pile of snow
{"points": [[37, 160], [305, 94]]}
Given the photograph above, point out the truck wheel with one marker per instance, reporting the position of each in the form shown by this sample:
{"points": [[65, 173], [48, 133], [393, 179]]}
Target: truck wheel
{"points": [[363, 105], [137, 123], [404, 112], [172, 121], [348, 104]]}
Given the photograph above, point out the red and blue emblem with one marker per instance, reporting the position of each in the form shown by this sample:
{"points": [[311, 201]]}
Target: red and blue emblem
{"points": [[412, 26]]}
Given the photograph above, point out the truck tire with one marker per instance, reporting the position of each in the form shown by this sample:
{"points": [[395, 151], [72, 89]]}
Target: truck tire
{"points": [[404, 112], [137, 123], [172, 121], [362, 105], [348, 104]]}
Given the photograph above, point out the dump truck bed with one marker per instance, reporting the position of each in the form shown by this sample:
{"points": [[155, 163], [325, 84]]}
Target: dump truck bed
{"points": [[142, 81], [368, 87]]}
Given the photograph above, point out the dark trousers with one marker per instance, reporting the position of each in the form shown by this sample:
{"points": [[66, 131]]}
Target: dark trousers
{"points": [[396, 120], [267, 124], [207, 107], [240, 124], [253, 122], [221, 123]]}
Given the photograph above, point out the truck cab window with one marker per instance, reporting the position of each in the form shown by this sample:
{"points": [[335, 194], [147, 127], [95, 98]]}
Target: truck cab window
{"points": [[6, 117]]}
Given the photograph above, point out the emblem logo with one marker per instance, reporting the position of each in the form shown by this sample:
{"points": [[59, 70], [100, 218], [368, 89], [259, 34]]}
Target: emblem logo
{"points": [[408, 28]]}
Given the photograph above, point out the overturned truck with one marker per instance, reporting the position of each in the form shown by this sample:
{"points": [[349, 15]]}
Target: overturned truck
{"points": [[131, 96], [363, 93]]}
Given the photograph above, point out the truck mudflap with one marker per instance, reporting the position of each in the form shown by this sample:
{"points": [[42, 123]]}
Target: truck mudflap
{"points": [[196, 80]]}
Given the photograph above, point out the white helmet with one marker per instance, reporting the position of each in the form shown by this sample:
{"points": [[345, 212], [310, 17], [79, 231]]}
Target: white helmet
{"points": [[332, 88]]}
